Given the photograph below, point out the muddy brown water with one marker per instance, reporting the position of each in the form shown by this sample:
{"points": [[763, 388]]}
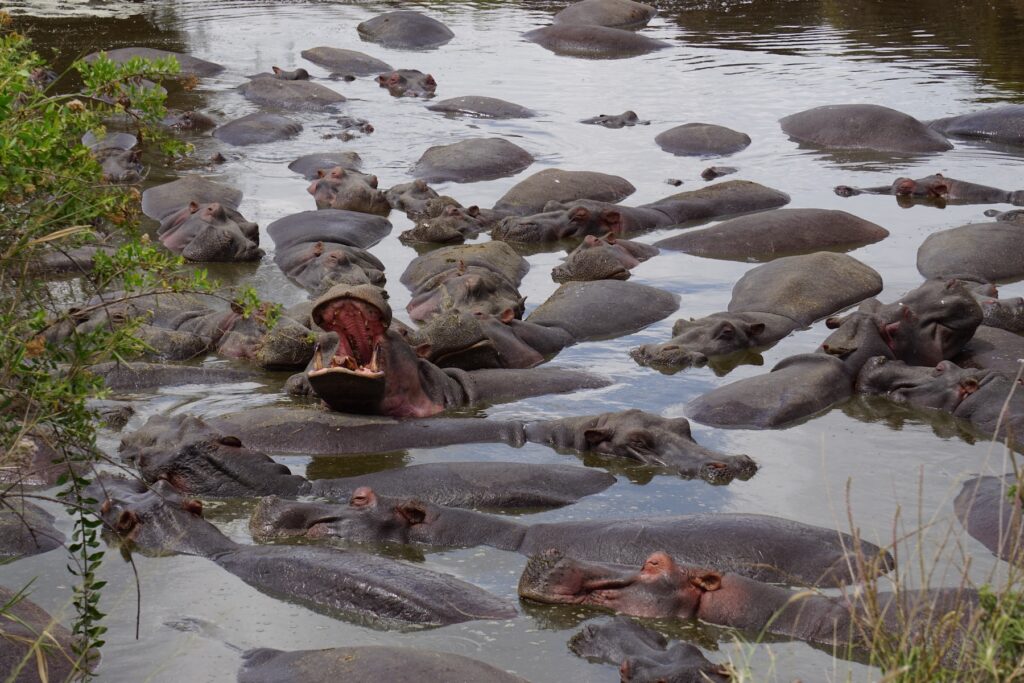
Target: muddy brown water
{"points": [[738, 64]]}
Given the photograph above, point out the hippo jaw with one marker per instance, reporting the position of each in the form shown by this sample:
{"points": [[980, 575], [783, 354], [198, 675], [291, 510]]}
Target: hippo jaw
{"points": [[353, 379]]}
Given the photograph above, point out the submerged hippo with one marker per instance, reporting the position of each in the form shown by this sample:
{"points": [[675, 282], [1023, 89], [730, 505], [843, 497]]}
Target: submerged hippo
{"points": [[444, 222], [481, 107], [987, 252], [370, 589], [938, 190], [408, 83], [295, 94], [118, 155], [593, 42], [602, 258], [258, 128], [1003, 124], [612, 13], [405, 30], [863, 126], [626, 118], [553, 184], [990, 510], [349, 62], [309, 166], [469, 161], [348, 190], [702, 139], [190, 66]]}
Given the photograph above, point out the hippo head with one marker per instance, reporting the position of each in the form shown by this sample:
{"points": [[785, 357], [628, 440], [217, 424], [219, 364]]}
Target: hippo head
{"points": [[943, 387], [934, 188], [660, 589], [562, 221], [665, 442], [857, 337], [931, 323], [411, 197], [473, 289], [595, 259], [473, 340], [408, 83], [188, 120], [452, 225], [299, 74], [211, 232], [724, 340], [339, 188], [286, 344], [121, 165], [334, 264]]}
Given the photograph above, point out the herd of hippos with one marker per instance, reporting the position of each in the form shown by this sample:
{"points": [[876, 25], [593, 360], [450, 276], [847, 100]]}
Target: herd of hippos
{"points": [[949, 345]]}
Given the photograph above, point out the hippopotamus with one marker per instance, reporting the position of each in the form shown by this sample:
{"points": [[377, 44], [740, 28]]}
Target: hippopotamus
{"points": [[602, 258], [475, 277], [351, 127], [702, 140], [310, 165], [987, 252], [257, 128], [411, 198], [579, 218], [767, 235], [374, 590], [372, 369], [863, 126], [319, 249], [408, 83], [24, 625], [664, 587], [366, 663], [138, 376], [1005, 314], [988, 400], [348, 190], [756, 546], [993, 349], [405, 30], [277, 72], [25, 529], [593, 42], [441, 222], [555, 185], [626, 118], [1015, 216], [938, 190], [611, 13], [76, 260], [31, 462], [193, 121], [481, 107], [163, 201], [190, 66], [990, 510], [643, 655], [1003, 124], [468, 161], [207, 458], [298, 95], [118, 156], [349, 62], [712, 172], [210, 232]]}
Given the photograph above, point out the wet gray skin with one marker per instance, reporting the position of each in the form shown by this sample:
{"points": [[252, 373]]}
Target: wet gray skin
{"points": [[348, 62], [469, 161], [277, 72], [555, 185], [991, 513], [481, 107], [210, 232], [756, 546], [405, 30], [1015, 216], [408, 83], [993, 349], [348, 190], [602, 258], [190, 66], [26, 529], [1003, 124], [410, 198], [712, 172], [626, 118], [165, 200], [292, 94], [188, 121], [612, 13], [664, 587], [593, 42], [310, 165], [373, 590], [1004, 314], [580, 218], [986, 252], [256, 129], [392, 664], [643, 655], [938, 190], [702, 140], [863, 126], [447, 223], [134, 377], [118, 155], [24, 623]]}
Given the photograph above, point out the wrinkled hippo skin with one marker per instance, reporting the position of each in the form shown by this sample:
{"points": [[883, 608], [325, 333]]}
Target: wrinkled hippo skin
{"points": [[25, 623], [767, 548], [481, 107], [408, 83], [348, 190], [992, 349], [593, 42], [938, 190], [863, 126], [1004, 124], [26, 529], [349, 62], [555, 185], [578, 218], [405, 30], [366, 663], [644, 655], [319, 249], [626, 118], [367, 588], [611, 13], [210, 232], [472, 160], [190, 66], [298, 95], [767, 235], [665, 588], [702, 139], [988, 252], [258, 128], [992, 515], [310, 165], [602, 258]]}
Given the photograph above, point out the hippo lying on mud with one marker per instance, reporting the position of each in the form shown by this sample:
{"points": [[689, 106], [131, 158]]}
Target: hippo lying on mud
{"points": [[938, 190], [757, 546], [373, 590], [665, 588], [990, 510]]}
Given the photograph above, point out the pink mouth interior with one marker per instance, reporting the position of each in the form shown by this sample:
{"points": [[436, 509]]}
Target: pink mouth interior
{"points": [[360, 330]]}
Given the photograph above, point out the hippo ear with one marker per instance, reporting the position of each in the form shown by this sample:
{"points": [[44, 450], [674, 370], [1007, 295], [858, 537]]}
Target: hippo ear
{"points": [[229, 440], [193, 207], [596, 435], [507, 316], [423, 350], [834, 322], [277, 70], [382, 78], [708, 581], [756, 329], [610, 238], [414, 512], [473, 211], [373, 181], [612, 220], [579, 214]]}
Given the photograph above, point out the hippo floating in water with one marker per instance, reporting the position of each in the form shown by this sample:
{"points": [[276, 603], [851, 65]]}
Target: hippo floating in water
{"points": [[295, 94], [469, 161], [26, 529], [611, 13], [702, 139], [481, 107], [405, 30], [408, 83], [863, 126], [987, 252], [593, 42], [309, 166], [442, 220], [990, 510], [118, 155], [348, 190], [938, 190], [258, 128], [190, 66], [1003, 124], [626, 118], [349, 62], [210, 232], [555, 185]]}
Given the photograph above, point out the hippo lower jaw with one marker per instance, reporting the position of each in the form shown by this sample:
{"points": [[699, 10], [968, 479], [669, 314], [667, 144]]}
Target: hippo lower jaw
{"points": [[354, 379]]}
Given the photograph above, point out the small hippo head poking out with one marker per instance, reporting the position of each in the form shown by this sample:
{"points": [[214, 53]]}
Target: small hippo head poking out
{"points": [[943, 387], [340, 188], [210, 232], [299, 74], [408, 83], [602, 258], [558, 221]]}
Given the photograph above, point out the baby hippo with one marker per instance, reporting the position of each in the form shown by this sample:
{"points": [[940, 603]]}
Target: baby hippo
{"points": [[340, 188], [210, 232], [602, 258], [408, 83]]}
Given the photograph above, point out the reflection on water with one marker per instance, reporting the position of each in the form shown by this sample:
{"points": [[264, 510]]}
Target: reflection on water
{"points": [[738, 64]]}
